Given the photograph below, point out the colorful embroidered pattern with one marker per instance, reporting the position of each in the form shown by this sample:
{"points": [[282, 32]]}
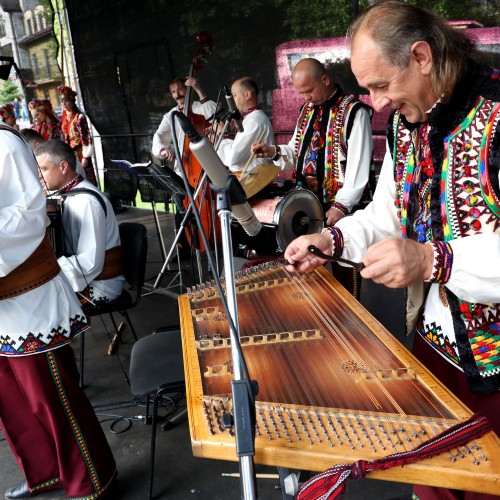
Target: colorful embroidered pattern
{"points": [[433, 335], [333, 142], [443, 262], [468, 207], [34, 343], [337, 240]]}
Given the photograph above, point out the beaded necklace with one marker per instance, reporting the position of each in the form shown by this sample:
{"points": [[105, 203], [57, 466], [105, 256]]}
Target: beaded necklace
{"points": [[71, 184], [248, 111]]}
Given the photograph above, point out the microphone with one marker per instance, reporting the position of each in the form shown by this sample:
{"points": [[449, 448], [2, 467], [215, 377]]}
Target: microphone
{"points": [[233, 109], [218, 174]]}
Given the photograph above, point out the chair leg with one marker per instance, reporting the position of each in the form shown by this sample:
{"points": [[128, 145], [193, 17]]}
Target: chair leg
{"points": [[127, 317], [82, 353], [153, 444]]}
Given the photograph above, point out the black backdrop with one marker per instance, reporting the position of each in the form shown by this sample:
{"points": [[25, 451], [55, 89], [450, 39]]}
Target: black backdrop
{"points": [[127, 52]]}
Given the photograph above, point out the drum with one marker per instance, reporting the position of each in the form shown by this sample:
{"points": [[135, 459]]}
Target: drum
{"points": [[284, 218]]}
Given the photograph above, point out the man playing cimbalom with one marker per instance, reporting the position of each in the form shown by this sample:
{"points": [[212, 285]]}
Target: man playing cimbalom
{"points": [[433, 226]]}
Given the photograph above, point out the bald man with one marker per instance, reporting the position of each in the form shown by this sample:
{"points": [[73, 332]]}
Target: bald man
{"points": [[331, 148]]}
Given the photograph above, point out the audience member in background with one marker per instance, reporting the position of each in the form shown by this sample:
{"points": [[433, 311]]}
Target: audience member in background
{"points": [[7, 114], [76, 132], [45, 416], [92, 259], [44, 120]]}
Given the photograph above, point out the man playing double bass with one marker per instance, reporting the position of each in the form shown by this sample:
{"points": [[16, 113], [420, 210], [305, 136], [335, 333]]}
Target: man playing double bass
{"points": [[162, 140]]}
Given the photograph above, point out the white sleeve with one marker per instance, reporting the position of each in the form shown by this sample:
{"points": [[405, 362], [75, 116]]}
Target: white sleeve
{"points": [[359, 155], [23, 213], [88, 227], [163, 136], [475, 275], [235, 154], [207, 109], [377, 221]]}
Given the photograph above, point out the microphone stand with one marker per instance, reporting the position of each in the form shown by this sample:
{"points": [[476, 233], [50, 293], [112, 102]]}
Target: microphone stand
{"points": [[243, 390]]}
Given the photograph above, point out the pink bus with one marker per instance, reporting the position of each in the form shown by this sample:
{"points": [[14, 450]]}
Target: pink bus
{"points": [[335, 54]]}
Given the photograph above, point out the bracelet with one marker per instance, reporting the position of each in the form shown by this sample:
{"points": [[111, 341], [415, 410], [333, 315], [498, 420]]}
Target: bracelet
{"points": [[277, 153], [341, 208], [443, 262], [337, 240], [203, 100]]}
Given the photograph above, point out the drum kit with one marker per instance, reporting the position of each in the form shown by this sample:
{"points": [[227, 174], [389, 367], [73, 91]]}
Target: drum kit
{"points": [[284, 214]]}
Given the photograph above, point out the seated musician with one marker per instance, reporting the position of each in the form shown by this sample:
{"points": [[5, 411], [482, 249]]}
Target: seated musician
{"points": [[433, 226], [236, 153], [162, 140], [34, 139], [92, 252]]}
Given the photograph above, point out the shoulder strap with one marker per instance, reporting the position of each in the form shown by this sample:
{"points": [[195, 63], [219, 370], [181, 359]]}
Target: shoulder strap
{"points": [[99, 198]]}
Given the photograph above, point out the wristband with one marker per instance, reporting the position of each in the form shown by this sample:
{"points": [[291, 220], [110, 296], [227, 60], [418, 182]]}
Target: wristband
{"points": [[443, 262], [203, 100], [341, 208], [337, 240], [277, 153]]}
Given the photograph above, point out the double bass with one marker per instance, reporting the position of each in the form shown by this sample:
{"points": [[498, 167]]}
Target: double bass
{"points": [[205, 203]]}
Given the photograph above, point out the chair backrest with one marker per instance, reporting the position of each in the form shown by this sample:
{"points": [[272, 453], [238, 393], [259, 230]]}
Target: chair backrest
{"points": [[134, 240]]}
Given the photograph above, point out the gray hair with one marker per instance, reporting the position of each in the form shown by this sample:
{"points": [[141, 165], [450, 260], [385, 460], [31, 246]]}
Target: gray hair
{"points": [[395, 26], [57, 151]]}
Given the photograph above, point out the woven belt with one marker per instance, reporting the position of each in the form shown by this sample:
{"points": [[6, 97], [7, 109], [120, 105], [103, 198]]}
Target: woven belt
{"points": [[312, 183], [113, 264], [39, 268]]}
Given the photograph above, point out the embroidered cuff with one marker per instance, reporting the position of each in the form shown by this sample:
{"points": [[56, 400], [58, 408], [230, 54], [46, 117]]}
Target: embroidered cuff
{"points": [[337, 240], [443, 262], [203, 100], [277, 153], [341, 208]]}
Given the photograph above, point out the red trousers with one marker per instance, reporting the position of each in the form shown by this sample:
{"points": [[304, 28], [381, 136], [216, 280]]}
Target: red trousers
{"points": [[51, 426], [455, 381]]}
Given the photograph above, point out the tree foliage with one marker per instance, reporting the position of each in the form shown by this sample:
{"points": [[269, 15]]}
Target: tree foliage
{"points": [[8, 91], [321, 18]]}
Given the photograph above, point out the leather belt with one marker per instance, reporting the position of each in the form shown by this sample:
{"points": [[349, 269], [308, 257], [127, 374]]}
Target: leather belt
{"points": [[39, 268], [113, 264]]}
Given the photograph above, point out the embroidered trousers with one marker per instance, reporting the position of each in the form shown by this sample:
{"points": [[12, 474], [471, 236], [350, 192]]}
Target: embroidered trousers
{"points": [[51, 426]]}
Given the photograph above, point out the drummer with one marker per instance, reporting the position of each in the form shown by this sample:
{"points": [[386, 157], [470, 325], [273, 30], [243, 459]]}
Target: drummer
{"points": [[331, 148], [236, 154]]}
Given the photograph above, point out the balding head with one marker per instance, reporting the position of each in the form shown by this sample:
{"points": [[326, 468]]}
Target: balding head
{"points": [[311, 80]]}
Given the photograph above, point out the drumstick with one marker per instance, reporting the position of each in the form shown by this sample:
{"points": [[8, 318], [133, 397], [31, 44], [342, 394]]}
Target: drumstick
{"points": [[251, 157]]}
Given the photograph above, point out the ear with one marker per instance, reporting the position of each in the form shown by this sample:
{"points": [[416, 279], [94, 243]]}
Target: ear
{"points": [[64, 166], [421, 53], [326, 80]]}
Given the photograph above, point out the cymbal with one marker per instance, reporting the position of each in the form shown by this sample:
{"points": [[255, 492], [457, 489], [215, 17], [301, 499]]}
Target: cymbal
{"points": [[258, 178]]}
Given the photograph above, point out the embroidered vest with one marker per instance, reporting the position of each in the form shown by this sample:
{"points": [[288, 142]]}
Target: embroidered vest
{"points": [[335, 143], [468, 206]]}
